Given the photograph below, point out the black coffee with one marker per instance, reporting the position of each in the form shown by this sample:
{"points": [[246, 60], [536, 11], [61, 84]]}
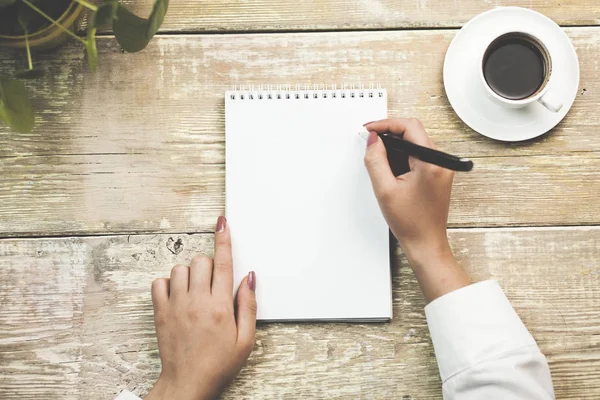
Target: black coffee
{"points": [[514, 67]]}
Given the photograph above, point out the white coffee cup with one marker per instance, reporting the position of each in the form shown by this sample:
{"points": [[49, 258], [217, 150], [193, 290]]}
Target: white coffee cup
{"points": [[544, 95]]}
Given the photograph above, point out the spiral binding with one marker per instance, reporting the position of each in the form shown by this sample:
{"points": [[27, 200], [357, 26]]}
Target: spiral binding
{"points": [[287, 92]]}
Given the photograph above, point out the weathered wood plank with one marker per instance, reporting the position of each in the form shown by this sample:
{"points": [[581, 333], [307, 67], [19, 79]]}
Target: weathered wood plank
{"points": [[172, 92], [76, 319], [41, 313], [117, 194], [140, 145], [275, 15]]}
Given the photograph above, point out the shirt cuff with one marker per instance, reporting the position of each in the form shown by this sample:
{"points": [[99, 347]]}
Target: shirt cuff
{"points": [[472, 324], [125, 395]]}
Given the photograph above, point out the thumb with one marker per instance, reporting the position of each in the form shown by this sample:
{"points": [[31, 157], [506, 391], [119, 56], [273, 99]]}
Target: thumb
{"points": [[377, 165], [246, 312]]}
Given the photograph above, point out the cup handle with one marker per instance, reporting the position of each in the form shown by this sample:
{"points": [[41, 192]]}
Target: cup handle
{"points": [[551, 101]]}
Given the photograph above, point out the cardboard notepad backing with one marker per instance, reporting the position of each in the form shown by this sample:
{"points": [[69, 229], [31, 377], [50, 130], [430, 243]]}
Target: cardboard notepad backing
{"points": [[300, 206]]}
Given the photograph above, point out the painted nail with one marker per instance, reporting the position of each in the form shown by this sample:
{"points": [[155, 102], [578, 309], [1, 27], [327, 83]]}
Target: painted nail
{"points": [[252, 281], [372, 138], [221, 223], [370, 122]]}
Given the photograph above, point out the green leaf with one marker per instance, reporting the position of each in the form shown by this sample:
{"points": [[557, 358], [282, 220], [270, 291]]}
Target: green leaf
{"points": [[130, 30], [15, 108], [30, 73], [134, 33], [157, 16], [106, 14], [92, 51], [6, 3]]}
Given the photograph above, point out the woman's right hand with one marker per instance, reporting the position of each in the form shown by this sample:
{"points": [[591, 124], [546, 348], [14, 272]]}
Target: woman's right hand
{"points": [[415, 205]]}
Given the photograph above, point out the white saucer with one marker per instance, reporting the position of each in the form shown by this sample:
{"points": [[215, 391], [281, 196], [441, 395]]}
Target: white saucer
{"points": [[465, 89]]}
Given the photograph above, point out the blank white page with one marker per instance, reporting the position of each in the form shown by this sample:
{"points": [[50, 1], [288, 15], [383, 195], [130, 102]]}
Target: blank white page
{"points": [[300, 205]]}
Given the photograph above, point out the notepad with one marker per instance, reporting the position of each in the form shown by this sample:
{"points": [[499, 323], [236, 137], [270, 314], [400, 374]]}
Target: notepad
{"points": [[300, 206]]}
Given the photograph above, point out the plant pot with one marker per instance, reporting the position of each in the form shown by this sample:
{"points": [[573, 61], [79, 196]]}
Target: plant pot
{"points": [[51, 36]]}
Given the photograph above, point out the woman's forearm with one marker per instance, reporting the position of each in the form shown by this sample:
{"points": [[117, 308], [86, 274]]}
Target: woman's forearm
{"points": [[437, 271]]}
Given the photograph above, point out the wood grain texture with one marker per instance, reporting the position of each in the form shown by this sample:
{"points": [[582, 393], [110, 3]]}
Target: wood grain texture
{"points": [[139, 146], [276, 15], [76, 319]]}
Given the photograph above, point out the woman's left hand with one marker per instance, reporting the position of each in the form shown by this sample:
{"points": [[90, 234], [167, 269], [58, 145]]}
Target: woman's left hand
{"points": [[203, 340]]}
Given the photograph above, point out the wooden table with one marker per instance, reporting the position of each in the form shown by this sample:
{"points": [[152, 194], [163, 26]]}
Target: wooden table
{"points": [[123, 177]]}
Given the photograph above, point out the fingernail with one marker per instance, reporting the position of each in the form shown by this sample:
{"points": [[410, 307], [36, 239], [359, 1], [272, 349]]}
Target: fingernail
{"points": [[370, 122], [372, 138], [221, 223], [252, 281]]}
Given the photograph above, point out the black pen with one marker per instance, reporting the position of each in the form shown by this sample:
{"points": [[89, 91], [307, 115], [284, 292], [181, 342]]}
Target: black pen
{"points": [[425, 154]]}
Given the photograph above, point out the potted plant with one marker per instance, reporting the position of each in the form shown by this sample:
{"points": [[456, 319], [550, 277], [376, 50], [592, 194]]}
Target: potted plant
{"points": [[44, 24]]}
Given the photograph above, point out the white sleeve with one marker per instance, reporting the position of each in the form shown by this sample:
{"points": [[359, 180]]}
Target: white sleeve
{"points": [[483, 349], [125, 395]]}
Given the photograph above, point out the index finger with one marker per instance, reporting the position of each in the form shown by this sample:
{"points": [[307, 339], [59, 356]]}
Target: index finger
{"points": [[411, 129], [222, 281]]}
